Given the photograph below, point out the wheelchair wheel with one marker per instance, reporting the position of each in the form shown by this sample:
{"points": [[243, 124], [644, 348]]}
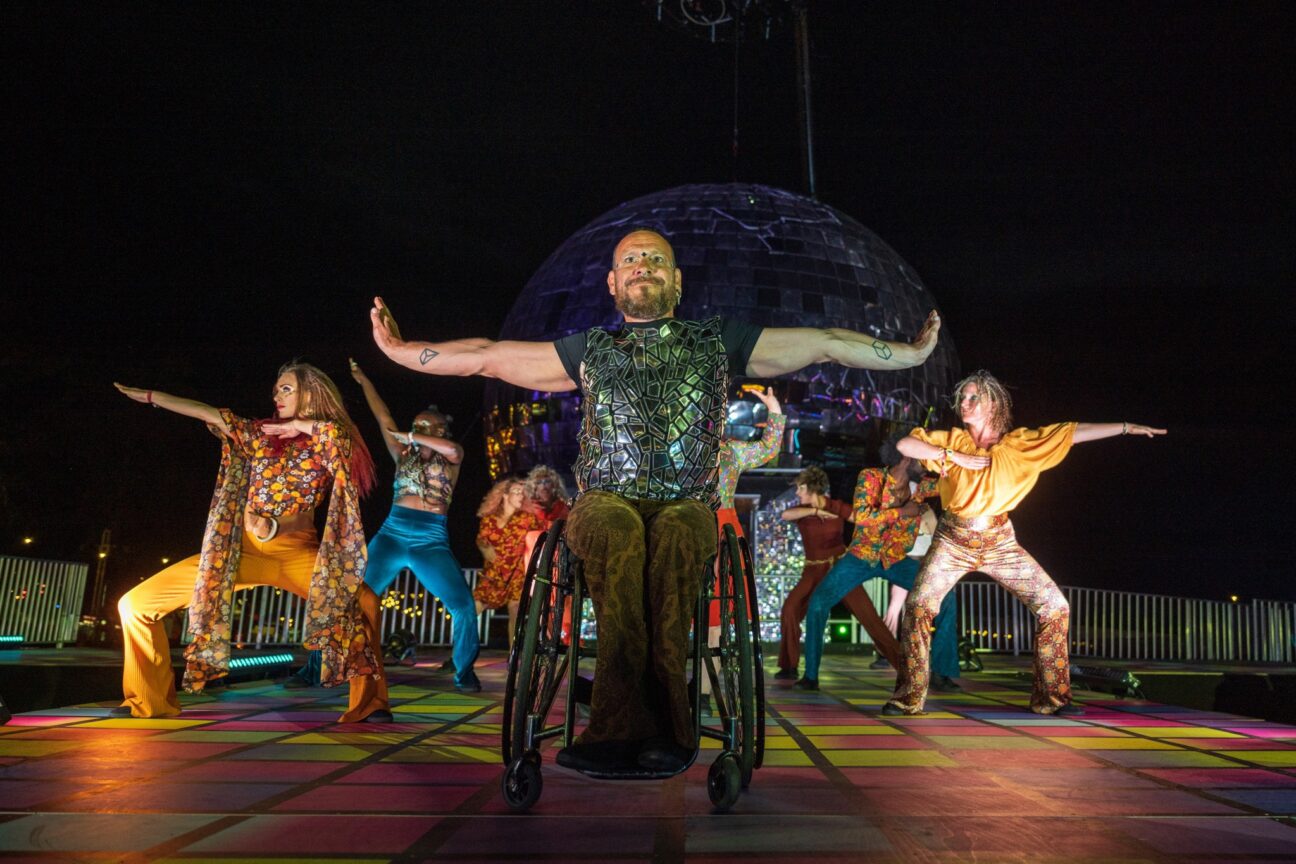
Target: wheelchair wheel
{"points": [[736, 660], [538, 657], [724, 781], [522, 784], [758, 653]]}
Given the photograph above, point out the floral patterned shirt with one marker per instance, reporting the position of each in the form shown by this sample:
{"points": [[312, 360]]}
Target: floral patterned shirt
{"points": [[882, 536], [279, 478], [739, 456]]}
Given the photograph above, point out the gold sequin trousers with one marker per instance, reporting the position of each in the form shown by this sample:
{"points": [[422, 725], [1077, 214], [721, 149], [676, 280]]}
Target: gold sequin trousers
{"points": [[987, 545]]}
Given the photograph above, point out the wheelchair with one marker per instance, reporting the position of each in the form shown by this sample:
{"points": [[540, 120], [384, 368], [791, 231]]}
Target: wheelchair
{"points": [[547, 652]]}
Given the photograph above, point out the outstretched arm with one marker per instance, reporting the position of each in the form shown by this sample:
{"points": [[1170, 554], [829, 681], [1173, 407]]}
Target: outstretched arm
{"points": [[786, 349], [1094, 431], [531, 365], [188, 407]]}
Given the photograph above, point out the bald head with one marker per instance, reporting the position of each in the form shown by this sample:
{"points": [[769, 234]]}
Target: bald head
{"points": [[644, 280]]}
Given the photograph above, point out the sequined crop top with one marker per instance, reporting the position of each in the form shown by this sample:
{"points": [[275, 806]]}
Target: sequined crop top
{"points": [[428, 480]]}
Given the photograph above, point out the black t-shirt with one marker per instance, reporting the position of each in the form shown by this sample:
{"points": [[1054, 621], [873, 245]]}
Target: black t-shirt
{"points": [[738, 337]]}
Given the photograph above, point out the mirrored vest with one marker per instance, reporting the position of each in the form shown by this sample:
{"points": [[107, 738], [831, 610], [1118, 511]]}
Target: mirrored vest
{"points": [[654, 411]]}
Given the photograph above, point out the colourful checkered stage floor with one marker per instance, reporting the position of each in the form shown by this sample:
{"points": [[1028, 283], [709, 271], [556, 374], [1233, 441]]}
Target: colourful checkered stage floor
{"points": [[257, 773]]}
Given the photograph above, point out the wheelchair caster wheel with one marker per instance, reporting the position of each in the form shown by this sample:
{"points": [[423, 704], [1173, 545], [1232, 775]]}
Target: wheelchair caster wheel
{"points": [[724, 781], [522, 783]]}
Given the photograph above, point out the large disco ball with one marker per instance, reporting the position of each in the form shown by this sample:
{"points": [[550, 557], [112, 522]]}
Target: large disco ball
{"points": [[750, 252]]}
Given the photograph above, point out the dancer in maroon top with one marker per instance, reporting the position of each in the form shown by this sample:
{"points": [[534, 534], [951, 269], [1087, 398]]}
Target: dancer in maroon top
{"points": [[820, 520]]}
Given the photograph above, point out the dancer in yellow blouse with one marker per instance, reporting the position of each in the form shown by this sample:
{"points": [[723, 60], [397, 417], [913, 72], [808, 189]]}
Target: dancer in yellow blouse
{"points": [[261, 531], [986, 470]]}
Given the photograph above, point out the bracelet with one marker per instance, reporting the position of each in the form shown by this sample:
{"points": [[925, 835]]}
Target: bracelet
{"points": [[1124, 427], [274, 531], [945, 456]]}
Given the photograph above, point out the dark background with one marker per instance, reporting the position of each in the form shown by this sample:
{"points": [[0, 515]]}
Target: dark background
{"points": [[1099, 195]]}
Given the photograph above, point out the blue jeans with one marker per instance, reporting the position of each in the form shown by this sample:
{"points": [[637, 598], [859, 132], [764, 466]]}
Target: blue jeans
{"points": [[851, 571], [417, 539]]}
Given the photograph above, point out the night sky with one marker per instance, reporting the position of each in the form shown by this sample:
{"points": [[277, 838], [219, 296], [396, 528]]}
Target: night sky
{"points": [[1099, 195]]}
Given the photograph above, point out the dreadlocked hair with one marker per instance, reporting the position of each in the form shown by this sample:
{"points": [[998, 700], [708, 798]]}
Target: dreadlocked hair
{"points": [[320, 400], [988, 387]]}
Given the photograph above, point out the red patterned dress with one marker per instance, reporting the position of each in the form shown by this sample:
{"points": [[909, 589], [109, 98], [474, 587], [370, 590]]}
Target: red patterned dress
{"points": [[500, 581]]}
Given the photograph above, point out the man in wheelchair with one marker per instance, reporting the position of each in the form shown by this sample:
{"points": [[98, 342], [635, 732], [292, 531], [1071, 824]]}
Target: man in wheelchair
{"points": [[654, 394]]}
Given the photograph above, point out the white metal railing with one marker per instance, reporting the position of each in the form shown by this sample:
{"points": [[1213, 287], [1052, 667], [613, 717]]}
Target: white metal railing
{"points": [[40, 600], [1116, 625], [265, 616]]}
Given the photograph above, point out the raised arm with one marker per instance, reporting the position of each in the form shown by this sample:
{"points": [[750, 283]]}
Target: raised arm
{"points": [[780, 350], [1094, 431], [377, 407], [530, 365], [188, 407]]}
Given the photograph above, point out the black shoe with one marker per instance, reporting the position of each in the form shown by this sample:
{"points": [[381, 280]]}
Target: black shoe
{"points": [[295, 683], [807, 684], [1070, 710], [382, 715], [880, 663], [659, 755], [469, 683], [602, 756], [890, 710], [785, 675], [447, 666], [120, 711], [944, 684]]}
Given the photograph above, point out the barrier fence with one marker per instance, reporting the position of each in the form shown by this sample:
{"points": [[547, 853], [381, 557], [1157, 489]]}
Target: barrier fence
{"points": [[1116, 625], [40, 601]]}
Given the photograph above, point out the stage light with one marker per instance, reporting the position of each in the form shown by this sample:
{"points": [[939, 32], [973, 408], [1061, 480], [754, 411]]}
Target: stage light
{"points": [[1233, 597], [166, 560], [103, 554], [9, 639], [27, 541], [275, 659]]}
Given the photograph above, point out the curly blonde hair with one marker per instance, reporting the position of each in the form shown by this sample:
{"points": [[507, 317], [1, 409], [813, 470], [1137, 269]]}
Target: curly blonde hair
{"points": [[988, 387], [494, 500]]}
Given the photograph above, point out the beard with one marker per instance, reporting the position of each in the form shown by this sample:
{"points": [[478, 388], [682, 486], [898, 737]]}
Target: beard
{"points": [[656, 301]]}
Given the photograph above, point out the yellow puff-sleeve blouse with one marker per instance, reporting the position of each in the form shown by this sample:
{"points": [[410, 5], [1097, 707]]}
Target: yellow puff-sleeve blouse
{"points": [[1016, 461]]}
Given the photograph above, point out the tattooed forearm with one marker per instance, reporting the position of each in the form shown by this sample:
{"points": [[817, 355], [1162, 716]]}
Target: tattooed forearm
{"points": [[880, 348], [426, 356]]}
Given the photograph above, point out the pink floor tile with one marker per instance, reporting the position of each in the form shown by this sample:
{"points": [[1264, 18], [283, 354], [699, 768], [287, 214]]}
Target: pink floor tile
{"points": [[380, 799]]}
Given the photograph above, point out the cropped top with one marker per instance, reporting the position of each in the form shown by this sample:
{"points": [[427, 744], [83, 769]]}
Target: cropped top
{"points": [[426, 479], [276, 477]]}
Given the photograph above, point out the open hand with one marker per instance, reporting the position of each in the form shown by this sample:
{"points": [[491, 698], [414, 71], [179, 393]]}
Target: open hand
{"points": [[135, 393], [771, 401], [356, 372], [969, 461], [892, 618], [385, 331], [286, 429], [925, 342], [1140, 429]]}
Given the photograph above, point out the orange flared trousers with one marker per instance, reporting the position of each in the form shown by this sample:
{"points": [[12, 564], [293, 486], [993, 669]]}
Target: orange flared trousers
{"points": [[286, 562]]}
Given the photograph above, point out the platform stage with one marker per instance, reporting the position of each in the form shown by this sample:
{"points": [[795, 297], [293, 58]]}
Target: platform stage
{"points": [[258, 773]]}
